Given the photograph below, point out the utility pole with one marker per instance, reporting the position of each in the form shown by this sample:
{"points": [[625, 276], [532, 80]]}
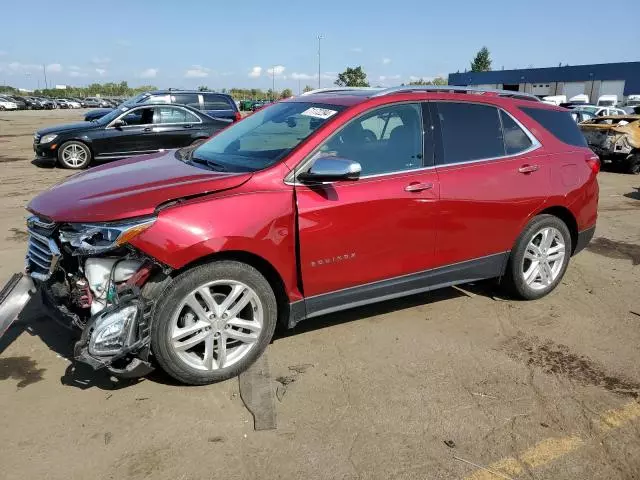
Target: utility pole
{"points": [[44, 69], [273, 82], [319, 38]]}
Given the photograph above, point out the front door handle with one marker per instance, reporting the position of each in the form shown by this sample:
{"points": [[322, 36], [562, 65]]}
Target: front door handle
{"points": [[146, 129], [418, 187], [526, 168], [187, 126]]}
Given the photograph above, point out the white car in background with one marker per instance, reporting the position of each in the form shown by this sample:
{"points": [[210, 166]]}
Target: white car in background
{"points": [[6, 104], [72, 103], [599, 111]]}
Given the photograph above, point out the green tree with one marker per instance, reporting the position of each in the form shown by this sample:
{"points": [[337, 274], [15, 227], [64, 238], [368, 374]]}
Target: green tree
{"points": [[435, 81], [482, 61], [203, 88], [307, 88], [286, 93], [352, 77]]}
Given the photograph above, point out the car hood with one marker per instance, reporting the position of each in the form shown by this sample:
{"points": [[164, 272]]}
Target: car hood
{"points": [[129, 188], [67, 127]]}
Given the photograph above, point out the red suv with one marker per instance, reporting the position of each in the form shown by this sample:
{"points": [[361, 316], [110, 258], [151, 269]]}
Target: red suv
{"points": [[188, 259]]}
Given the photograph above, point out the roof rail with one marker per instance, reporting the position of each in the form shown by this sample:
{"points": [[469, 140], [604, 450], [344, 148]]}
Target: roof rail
{"points": [[456, 89], [341, 89]]}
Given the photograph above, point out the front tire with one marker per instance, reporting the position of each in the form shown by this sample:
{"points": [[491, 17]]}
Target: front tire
{"points": [[212, 322], [539, 258], [74, 155]]}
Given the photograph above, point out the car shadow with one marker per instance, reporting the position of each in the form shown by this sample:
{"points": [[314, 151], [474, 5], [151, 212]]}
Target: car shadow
{"points": [[44, 163], [61, 339], [486, 288], [634, 195]]}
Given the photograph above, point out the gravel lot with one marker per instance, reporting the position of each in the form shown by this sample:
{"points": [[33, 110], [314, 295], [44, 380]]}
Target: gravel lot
{"points": [[414, 388]]}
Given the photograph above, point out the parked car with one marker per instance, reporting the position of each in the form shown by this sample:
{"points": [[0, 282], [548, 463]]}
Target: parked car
{"points": [[218, 105], [188, 259], [94, 102], [581, 115], [598, 111], [47, 103], [62, 103], [72, 103], [616, 140], [7, 103], [19, 101], [124, 133]]}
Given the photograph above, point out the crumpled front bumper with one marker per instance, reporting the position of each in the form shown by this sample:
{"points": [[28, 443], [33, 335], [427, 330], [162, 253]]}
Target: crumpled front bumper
{"points": [[14, 296]]}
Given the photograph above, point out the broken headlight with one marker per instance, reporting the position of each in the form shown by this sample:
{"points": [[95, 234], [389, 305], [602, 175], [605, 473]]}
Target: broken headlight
{"points": [[93, 238], [113, 331]]}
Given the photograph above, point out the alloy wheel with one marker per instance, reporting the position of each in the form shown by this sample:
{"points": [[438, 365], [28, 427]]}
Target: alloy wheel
{"points": [[216, 325], [74, 155], [543, 258]]}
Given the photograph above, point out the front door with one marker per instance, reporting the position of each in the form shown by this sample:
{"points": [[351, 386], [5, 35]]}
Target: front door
{"points": [[376, 228], [493, 176], [132, 138]]}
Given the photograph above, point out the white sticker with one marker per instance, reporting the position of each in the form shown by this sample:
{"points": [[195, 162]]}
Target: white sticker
{"points": [[317, 112]]}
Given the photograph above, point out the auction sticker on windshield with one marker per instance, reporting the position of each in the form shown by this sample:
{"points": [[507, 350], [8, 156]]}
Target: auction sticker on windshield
{"points": [[317, 112]]}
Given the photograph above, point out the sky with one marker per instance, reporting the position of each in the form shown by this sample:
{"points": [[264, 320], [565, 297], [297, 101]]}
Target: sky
{"points": [[248, 43]]}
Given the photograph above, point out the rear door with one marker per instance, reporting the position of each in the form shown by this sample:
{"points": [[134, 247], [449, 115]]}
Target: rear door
{"points": [[174, 127], [379, 227], [492, 178]]}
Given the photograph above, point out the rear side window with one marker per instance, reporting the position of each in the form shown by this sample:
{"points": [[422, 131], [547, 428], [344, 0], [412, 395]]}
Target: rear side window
{"points": [[190, 99], [559, 124], [217, 102], [469, 132], [515, 140]]}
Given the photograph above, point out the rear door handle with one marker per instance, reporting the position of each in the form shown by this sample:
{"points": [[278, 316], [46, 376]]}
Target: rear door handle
{"points": [[187, 126], [418, 187], [147, 129], [528, 168]]}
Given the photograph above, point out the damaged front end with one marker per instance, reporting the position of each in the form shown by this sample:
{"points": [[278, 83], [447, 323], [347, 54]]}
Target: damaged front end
{"points": [[91, 279], [615, 139]]}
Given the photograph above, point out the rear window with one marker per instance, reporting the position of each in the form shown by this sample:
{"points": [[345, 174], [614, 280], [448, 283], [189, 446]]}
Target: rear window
{"points": [[559, 124], [217, 102]]}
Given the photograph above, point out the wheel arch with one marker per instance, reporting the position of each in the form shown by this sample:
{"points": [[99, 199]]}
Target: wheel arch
{"points": [[263, 266], [564, 214]]}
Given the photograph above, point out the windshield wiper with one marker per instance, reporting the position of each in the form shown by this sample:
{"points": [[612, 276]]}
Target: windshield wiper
{"points": [[213, 165]]}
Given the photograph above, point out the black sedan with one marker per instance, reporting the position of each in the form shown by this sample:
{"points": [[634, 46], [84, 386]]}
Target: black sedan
{"points": [[125, 132]]}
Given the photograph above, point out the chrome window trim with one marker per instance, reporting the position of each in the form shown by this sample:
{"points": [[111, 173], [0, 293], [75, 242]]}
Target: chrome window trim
{"points": [[154, 105], [535, 145]]}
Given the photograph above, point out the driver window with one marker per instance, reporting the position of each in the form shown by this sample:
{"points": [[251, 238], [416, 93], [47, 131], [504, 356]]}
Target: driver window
{"points": [[140, 116], [386, 140]]}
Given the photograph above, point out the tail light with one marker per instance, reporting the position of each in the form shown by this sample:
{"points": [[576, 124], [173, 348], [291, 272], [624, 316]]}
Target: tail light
{"points": [[238, 116], [593, 161]]}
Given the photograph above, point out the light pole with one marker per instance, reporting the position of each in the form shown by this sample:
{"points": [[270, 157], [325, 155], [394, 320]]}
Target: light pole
{"points": [[319, 38], [273, 82]]}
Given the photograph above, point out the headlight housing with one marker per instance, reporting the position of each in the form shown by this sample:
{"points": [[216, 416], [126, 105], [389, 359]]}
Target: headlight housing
{"points": [[113, 331], [94, 238], [48, 138]]}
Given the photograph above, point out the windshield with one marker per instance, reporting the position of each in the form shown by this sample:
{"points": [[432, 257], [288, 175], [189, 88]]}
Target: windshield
{"points": [[135, 100], [606, 103], [265, 137], [593, 110]]}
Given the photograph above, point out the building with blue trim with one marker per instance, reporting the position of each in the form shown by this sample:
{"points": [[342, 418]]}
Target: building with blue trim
{"points": [[621, 79]]}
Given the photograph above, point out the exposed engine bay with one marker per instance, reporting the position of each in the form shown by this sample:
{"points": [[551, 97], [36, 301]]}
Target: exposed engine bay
{"points": [[93, 280], [615, 138]]}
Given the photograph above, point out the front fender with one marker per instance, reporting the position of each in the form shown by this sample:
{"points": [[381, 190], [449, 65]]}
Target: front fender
{"points": [[260, 223]]}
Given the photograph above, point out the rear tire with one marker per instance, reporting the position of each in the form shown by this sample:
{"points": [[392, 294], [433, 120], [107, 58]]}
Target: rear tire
{"points": [[539, 258], [213, 341]]}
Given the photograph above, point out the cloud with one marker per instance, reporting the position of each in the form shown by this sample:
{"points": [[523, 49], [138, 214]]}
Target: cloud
{"points": [[17, 67], [100, 60], [197, 71], [303, 76], [2, 53], [276, 70], [356, 49], [255, 72], [54, 67], [386, 61], [123, 43], [77, 74], [101, 71], [148, 73], [74, 67], [386, 78]]}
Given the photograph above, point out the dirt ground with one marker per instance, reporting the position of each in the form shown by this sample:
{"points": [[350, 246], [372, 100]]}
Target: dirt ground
{"points": [[438, 386]]}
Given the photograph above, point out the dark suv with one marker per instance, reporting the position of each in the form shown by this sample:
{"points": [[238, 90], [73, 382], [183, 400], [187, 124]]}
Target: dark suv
{"points": [[188, 259], [218, 105]]}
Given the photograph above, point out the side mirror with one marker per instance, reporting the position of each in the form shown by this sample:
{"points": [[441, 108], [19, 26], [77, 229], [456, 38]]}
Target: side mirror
{"points": [[331, 169], [119, 124]]}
